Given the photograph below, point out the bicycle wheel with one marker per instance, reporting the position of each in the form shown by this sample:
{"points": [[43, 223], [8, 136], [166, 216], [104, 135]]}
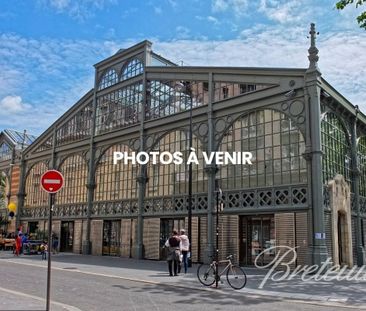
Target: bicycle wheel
{"points": [[236, 277], [206, 274]]}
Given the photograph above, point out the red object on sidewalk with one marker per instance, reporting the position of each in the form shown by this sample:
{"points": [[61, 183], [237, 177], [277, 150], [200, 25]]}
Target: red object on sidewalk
{"points": [[52, 181]]}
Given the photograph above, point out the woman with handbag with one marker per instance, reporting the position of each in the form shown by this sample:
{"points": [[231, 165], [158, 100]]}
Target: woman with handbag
{"points": [[173, 258]]}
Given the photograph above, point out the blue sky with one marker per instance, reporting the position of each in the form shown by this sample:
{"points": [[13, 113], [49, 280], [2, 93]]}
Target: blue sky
{"points": [[48, 47]]}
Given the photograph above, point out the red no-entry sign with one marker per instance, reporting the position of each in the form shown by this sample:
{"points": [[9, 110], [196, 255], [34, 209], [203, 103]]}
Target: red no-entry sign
{"points": [[52, 181]]}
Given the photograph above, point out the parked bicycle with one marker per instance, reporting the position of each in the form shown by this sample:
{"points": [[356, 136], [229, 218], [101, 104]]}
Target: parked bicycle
{"points": [[235, 275]]}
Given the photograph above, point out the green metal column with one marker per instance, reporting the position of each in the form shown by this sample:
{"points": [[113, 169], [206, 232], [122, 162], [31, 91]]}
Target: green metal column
{"points": [[142, 179], [312, 79], [356, 190], [211, 172], [86, 247]]}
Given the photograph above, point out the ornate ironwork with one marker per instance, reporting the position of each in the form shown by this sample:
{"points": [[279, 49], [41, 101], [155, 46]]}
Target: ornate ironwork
{"points": [[115, 208], [326, 199], [363, 205], [290, 196], [175, 205], [68, 211]]}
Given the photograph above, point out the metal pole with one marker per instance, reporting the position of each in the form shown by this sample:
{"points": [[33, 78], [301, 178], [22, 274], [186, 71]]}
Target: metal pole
{"points": [[217, 237], [51, 202], [360, 251], [190, 186]]}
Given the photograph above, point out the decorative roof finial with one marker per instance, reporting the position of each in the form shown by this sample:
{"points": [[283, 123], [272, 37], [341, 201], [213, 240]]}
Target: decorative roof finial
{"points": [[313, 51]]}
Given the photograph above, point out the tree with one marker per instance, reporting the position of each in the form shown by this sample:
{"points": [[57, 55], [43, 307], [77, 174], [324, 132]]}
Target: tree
{"points": [[361, 19]]}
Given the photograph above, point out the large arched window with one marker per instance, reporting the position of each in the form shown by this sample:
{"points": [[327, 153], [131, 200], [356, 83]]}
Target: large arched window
{"points": [[5, 152], [115, 182], [361, 153], [35, 196], [132, 69], [108, 79], [336, 149], [171, 179], [119, 108], [77, 128], [277, 146], [75, 172]]}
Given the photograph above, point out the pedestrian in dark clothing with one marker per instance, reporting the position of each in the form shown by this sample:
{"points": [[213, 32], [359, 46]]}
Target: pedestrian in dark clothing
{"points": [[24, 242], [54, 244], [173, 244]]}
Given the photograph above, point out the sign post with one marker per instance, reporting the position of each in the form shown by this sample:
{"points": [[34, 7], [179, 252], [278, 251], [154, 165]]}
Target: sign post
{"points": [[51, 182]]}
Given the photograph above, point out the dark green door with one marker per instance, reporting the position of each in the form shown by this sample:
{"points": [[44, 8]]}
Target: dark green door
{"points": [[67, 236]]}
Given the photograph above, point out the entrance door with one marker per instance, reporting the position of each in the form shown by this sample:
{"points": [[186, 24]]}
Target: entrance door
{"points": [[32, 227], [257, 233], [67, 236], [340, 225], [111, 237]]}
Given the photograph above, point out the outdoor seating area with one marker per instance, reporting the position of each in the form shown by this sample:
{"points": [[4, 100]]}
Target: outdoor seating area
{"points": [[7, 243]]}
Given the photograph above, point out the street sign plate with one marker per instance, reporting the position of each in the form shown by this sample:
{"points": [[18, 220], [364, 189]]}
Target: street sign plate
{"points": [[52, 181]]}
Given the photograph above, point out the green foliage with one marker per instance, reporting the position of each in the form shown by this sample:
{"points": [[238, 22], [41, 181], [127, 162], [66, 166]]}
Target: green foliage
{"points": [[361, 19]]}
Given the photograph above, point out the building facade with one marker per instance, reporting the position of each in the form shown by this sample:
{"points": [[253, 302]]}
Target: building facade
{"points": [[305, 189], [12, 143]]}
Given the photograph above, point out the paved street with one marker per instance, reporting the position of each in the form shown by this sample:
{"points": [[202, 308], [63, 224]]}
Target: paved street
{"points": [[104, 283]]}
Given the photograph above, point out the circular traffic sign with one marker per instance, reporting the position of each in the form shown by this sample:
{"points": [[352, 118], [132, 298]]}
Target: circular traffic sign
{"points": [[52, 181]]}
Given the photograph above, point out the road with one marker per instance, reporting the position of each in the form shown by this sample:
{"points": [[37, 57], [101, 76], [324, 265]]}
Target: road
{"points": [[22, 283]]}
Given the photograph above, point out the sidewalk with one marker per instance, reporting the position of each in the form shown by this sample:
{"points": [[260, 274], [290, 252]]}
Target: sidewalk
{"points": [[350, 293]]}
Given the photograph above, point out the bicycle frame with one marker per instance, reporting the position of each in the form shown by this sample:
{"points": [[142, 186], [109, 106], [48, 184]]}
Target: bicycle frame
{"points": [[229, 265]]}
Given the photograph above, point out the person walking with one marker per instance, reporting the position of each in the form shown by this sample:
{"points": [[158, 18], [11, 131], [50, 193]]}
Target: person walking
{"points": [[54, 243], [184, 248], [44, 250], [24, 243], [173, 244], [18, 244]]}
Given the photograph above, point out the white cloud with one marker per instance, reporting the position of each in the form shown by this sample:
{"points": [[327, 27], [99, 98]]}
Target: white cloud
{"points": [[295, 11], [239, 7], [213, 20], [12, 104], [79, 9], [182, 32], [220, 5], [281, 11], [209, 18], [60, 4]]}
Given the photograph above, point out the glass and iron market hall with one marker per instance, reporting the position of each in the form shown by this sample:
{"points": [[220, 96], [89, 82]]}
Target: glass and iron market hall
{"points": [[306, 187]]}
